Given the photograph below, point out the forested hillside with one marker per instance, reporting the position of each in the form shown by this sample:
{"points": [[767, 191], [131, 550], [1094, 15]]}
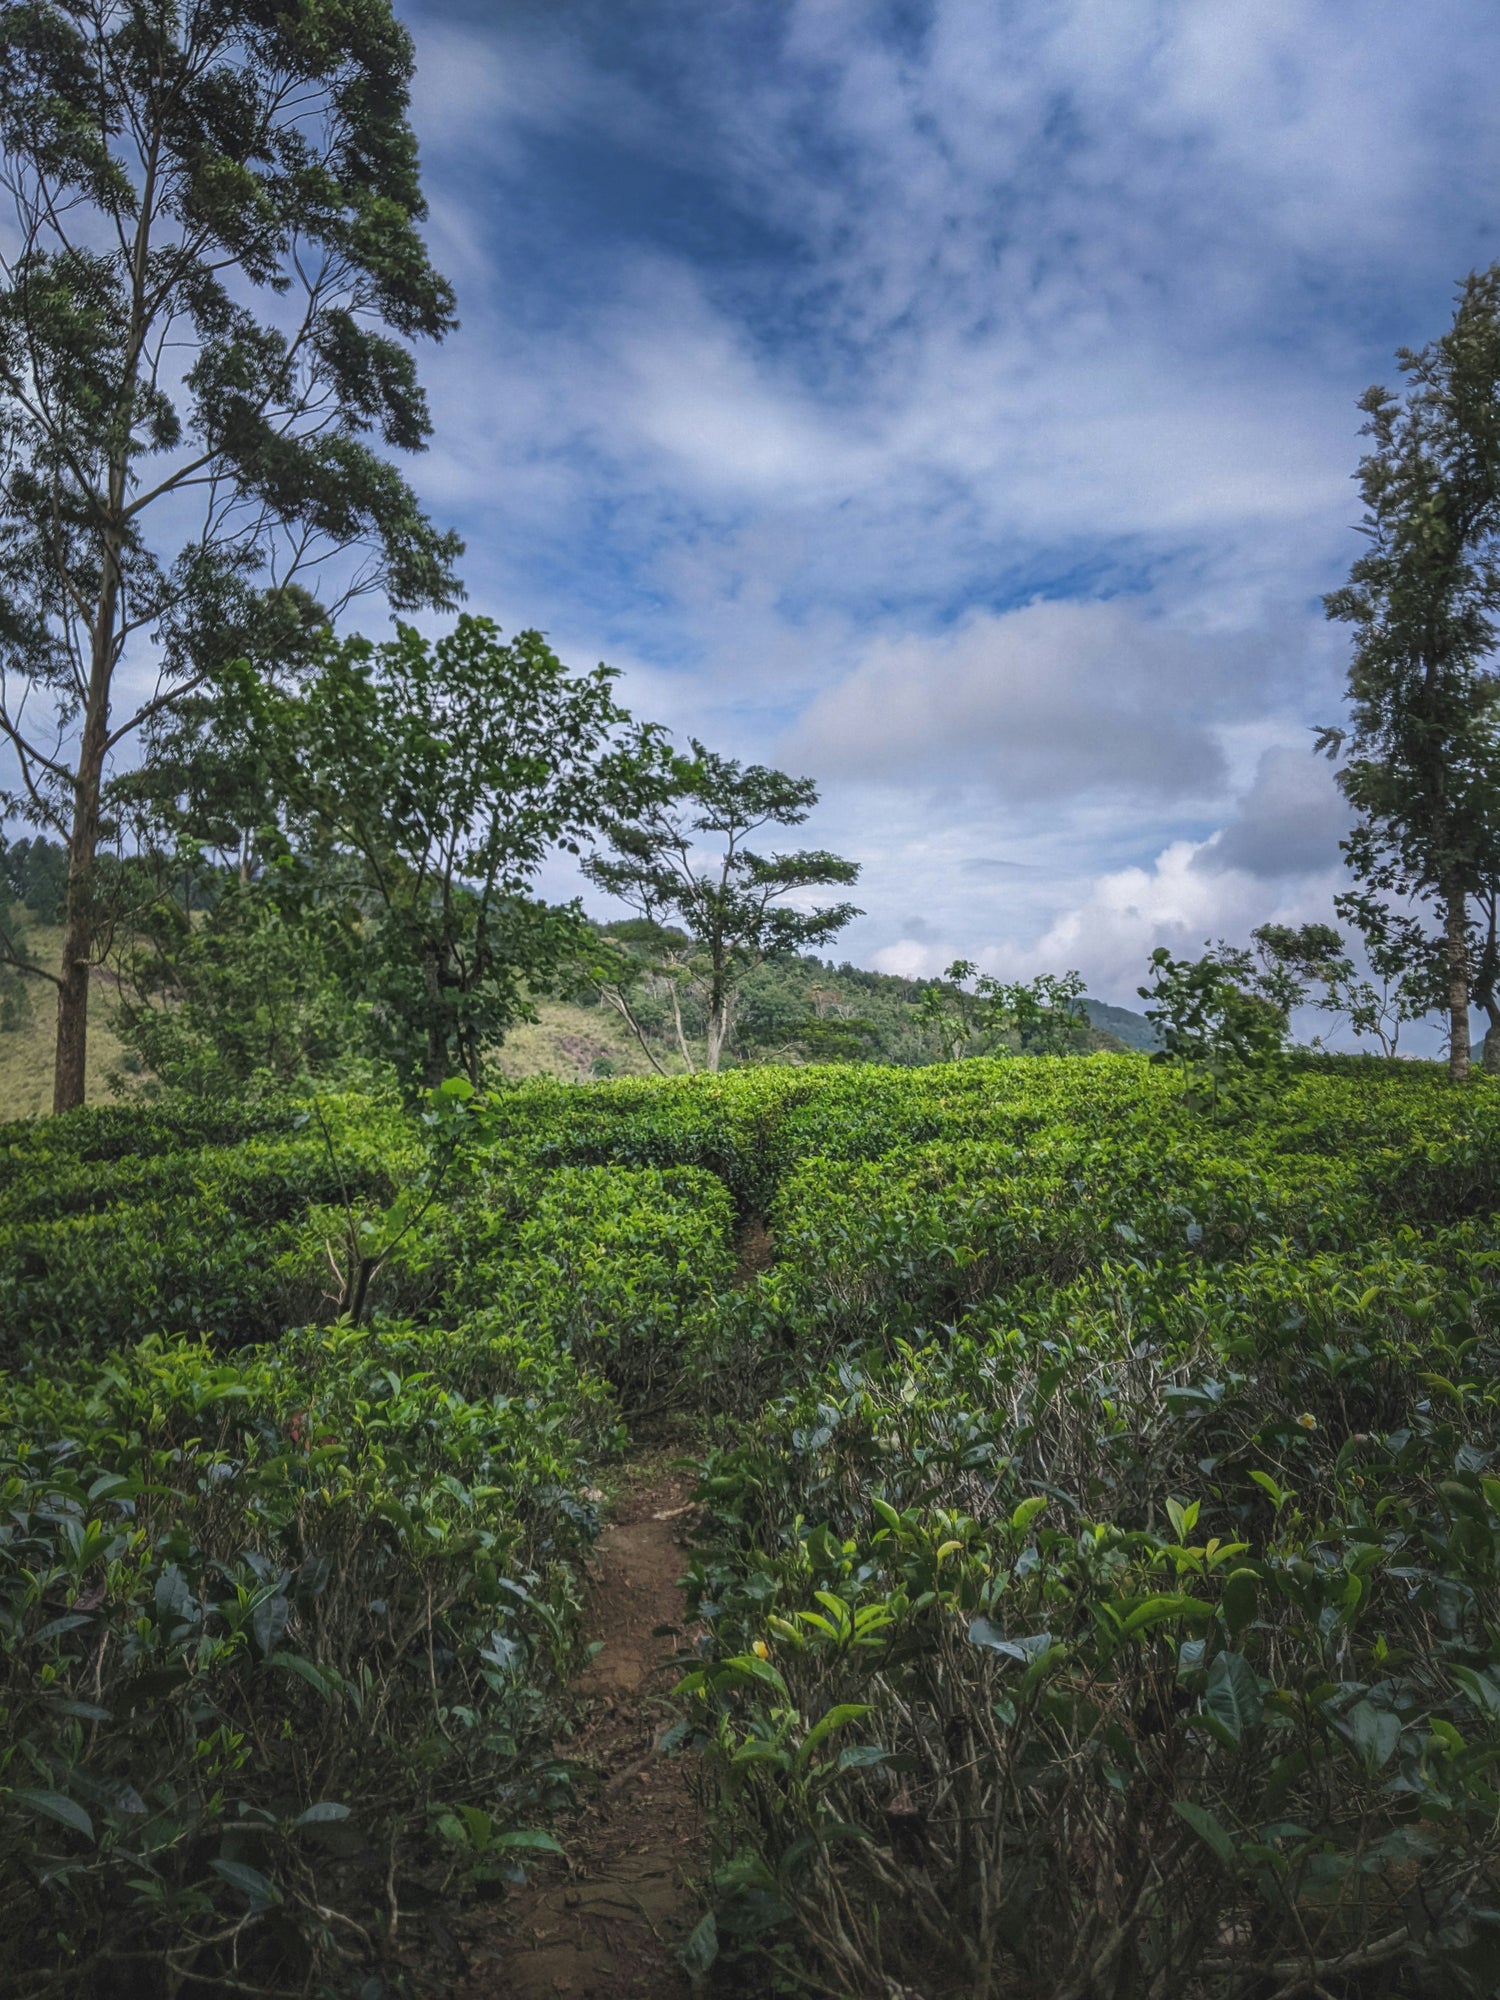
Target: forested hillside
{"points": [[794, 1008]]}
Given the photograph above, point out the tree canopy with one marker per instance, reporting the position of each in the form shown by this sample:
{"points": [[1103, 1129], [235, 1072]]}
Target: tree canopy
{"points": [[679, 856], [1423, 773], [973, 1013], [209, 283], [409, 794]]}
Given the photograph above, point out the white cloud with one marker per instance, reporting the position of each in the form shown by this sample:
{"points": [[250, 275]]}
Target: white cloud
{"points": [[907, 958], [1288, 824], [1110, 933], [965, 418], [1049, 701]]}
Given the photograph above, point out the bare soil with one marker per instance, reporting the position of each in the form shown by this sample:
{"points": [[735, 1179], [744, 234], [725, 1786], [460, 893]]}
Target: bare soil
{"points": [[754, 1250], [612, 1920]]}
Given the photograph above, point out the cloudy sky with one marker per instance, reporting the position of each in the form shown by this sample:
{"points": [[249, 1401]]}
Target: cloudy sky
{"points": [[955, 400]]}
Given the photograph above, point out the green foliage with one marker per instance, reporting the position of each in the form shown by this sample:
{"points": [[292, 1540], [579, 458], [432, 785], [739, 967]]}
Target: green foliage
{"points": [[1100, 1575], [262, 1620], [972, 1013], [246, 997], [792, 1008], [1313, 965], [1142, 1549], [623, 1267], [213, 270], [1222, 1024], [444, 773], [34, 873], [1422, 773], [196, 1240], [33, 879], [381, 902]]}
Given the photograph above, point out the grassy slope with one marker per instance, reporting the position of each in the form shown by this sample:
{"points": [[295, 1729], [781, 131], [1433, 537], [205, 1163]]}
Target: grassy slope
{"points": [[26, 1052], [566, 1041]]}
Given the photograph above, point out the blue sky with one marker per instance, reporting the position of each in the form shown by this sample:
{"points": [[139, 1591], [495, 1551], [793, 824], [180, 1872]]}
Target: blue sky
{"points": [[956, 402]]}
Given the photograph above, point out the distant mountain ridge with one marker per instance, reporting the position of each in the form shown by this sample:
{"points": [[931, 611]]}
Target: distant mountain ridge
{"points": [[1133, 1029]]}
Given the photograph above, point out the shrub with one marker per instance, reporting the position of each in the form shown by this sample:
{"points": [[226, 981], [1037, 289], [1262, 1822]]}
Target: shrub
{"points": [[263, 1617]]}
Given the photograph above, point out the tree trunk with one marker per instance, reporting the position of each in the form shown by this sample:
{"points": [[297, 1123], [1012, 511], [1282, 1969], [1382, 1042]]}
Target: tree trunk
{"points": [[1489, 1048], [677, 1023], [435, 1063], [80, 923], [614, 996], [70, 1070], [1485, 975], [1456, 965], [717, 1031]]}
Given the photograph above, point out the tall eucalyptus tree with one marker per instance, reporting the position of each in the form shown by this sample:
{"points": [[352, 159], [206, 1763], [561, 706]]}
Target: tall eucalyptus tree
{"points": [[210, 280]]}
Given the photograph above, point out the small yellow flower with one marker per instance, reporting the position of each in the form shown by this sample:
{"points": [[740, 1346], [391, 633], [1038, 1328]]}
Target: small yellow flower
{"points": [[1308, 1421], [761, 1650]]}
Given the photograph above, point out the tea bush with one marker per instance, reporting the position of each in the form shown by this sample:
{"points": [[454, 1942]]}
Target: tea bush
{"points": [[624, 1266], [187, 1238], [263, 1615], [1107, 1604], [1099, 1582]]}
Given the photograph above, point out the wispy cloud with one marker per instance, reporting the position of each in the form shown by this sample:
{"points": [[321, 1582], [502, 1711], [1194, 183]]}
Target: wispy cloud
{"points": [[956, 401]]}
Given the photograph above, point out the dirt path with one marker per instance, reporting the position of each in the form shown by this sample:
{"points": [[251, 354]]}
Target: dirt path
{"points": [[613, 1921], [754, 1250], [613, 1918]]}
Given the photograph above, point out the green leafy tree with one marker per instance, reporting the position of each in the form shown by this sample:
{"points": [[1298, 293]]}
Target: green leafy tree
{"points": [[35, 872], [1316, 968], [363, 847], [232, 987], [953, 1012], [233, 954], [831, 1038], [679, 856], [33, 876], [209, 282], [1222, 1022], [431, 779], [206, 788], [784, 1014], [970, 1012], [1422, 771]]}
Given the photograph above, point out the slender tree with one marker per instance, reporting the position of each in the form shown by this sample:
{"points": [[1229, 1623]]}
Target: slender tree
{"points": [[209, 283], [1309, 964], [681, 859], [1422, 691]]}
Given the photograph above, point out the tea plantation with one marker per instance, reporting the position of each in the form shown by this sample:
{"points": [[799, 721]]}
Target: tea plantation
{"points": [[1096, 1592]]}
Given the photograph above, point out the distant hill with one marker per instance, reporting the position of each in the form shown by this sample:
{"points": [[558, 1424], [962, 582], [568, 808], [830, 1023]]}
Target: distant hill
{"points": [[798, 1010], [1134, 1030]]}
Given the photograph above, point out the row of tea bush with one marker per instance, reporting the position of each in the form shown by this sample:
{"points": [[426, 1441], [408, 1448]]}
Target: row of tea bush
{"points": [[288, 1595], [1097, 1592], [1105, 1599]]}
